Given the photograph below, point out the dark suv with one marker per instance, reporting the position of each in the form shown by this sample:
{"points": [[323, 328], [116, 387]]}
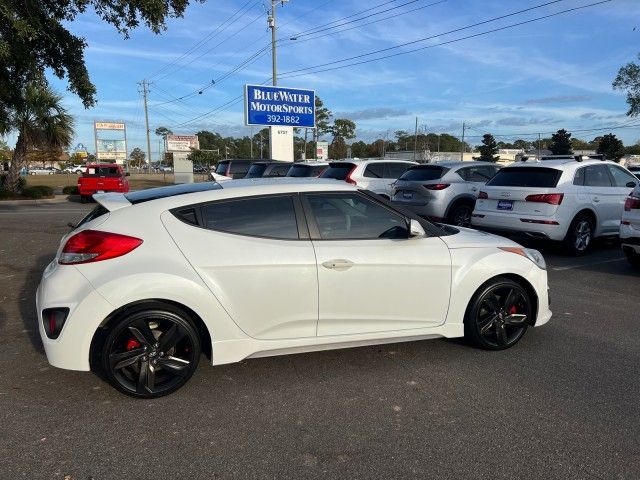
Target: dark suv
{"points": [[268, 169], [233, 168]]}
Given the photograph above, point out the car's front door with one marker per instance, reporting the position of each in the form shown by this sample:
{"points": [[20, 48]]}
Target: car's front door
{"points": [[371, 276], [256, 259]]}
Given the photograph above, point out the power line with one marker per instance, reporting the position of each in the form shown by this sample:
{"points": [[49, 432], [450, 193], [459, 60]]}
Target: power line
{"points": [[295, 40], [304, 71], [319, 29], [229, 21]]}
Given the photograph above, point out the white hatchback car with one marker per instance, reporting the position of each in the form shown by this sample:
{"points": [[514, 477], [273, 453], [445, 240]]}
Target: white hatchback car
{"points": [[566, 200], [253, 268], [630, 228], [376, 176]]}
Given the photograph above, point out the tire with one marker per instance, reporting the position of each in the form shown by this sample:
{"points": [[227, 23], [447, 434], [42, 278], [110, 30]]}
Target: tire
{"points": [[151, 352], [460, 215], [498, 315], [580, 235], [633, 258]]}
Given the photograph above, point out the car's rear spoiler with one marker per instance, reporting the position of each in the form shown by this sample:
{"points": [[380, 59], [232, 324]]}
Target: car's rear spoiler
{"points": [[112, 200]]}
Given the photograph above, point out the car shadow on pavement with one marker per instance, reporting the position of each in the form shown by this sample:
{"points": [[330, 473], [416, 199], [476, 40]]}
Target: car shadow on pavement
{"points": [[27, 304]]}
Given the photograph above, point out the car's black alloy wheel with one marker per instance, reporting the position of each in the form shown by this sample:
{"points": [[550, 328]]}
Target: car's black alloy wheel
{"points": [[461, 216], [150, 353], [498, 315]]}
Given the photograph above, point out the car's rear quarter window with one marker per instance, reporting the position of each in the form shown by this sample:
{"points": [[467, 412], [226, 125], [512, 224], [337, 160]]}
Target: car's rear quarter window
{"points": [[526, 177]]}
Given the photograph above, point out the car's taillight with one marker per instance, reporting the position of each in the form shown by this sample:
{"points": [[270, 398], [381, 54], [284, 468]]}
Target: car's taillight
{"points": [[436, 186], [94, 246], [350, 180], [550, 198], [631, 203], [483, 195]]}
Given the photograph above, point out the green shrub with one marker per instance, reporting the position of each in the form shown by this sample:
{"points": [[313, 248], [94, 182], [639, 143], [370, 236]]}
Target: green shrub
{"points": [[70, 190], [5, 194], [37, 191]]}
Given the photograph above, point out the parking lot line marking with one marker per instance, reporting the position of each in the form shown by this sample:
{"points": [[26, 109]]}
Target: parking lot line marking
{"points": [[571, 267]]}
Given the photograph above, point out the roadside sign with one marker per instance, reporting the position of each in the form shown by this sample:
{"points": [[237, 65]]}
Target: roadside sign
{"points": [[182, 143], [322, 150], [111, 141], [279, 106]]}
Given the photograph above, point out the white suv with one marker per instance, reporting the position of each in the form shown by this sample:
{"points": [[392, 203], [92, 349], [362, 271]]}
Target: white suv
{"points": [[376, 176], [567, 200], [630, 228]]}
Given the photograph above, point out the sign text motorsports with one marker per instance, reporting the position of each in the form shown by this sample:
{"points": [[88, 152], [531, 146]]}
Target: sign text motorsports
{"points": [[279, 106]]}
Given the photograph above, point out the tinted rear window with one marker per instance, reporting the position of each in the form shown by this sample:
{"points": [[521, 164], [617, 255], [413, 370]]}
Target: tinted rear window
{"points": [[339, 172], [103, 172], [526, 177], [170, 191], [300, 171], [427, 172], [93, 214], [256, 170], [221, 169]]}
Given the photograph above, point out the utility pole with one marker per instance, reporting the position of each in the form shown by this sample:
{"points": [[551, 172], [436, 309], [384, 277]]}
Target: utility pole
{"points": [[145, 92], [415, 140], [539, 141], [272, 25], [464, 126]]}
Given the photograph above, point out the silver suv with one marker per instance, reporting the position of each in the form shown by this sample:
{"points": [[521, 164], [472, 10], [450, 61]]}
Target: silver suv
{"points": [[444, 191]]}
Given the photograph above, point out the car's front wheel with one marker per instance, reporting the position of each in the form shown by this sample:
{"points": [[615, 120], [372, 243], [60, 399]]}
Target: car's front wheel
{"points": [[498, 315], [150, 353]]}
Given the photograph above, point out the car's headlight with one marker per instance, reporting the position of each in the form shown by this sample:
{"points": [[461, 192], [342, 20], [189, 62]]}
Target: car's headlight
{"points": [[534, 255]]}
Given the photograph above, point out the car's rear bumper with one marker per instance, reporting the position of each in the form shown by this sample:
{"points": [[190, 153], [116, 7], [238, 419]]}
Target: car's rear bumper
{"points": [[431, 209], [538, 227], [65, 287]]}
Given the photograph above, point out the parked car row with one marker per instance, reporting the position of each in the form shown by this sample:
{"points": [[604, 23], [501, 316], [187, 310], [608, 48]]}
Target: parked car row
{"points": [[572, 200]]}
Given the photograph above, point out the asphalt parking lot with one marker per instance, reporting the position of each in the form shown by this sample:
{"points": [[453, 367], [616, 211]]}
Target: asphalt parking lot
{"points": [[562, 404]]}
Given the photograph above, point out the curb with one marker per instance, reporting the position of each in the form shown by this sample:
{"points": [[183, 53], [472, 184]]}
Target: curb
{"points": [[44, 201]]}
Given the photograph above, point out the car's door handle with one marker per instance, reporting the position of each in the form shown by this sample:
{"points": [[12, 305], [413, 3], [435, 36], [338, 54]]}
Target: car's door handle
{"points": [[338, 264], [596, 199]]}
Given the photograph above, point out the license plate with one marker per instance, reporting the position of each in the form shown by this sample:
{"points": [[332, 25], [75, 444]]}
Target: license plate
{"points": [[505, 204], [407, 195]]}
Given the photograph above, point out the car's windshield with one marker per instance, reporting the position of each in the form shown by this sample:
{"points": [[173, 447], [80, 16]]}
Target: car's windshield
{"points": [[256, 170]]}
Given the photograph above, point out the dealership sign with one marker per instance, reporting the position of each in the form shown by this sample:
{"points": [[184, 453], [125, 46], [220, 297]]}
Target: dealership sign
{"points": [[182, 143], [109, 126], [279, 106]]}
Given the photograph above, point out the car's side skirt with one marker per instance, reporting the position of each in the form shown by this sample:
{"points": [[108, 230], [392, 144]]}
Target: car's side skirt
{"points": [[231, 351]]}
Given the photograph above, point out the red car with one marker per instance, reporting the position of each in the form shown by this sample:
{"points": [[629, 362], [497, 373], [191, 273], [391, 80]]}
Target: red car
{"points": [[102, 177]]}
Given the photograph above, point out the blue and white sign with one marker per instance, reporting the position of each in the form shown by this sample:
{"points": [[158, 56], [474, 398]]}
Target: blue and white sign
{"points": [[279, 106]]}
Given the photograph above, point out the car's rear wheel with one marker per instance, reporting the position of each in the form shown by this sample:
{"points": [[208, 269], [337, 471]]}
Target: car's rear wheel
{"points": [[580, 235], [150, 353], [633, 258], [498, 315], [460, 215]]}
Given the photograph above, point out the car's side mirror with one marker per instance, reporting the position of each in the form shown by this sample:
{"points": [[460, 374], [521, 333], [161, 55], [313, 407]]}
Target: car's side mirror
{"points": [[631, 184], [415, 229]]}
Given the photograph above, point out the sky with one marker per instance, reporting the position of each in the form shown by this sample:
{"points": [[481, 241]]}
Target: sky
{"points": [[534, 77]]}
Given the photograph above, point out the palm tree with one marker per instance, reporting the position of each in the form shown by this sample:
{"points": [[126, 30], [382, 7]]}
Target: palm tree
{"points": [[41, 122]]}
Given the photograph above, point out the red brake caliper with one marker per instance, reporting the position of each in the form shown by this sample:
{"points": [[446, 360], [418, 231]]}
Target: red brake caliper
{"points": [[132, 343], [513, 310]]}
